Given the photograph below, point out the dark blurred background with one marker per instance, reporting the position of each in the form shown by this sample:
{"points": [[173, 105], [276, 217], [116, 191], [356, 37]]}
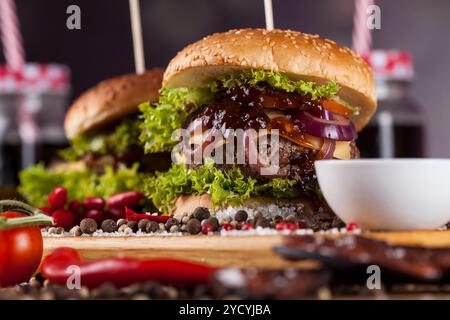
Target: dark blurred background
{"points": [[103, 47]]}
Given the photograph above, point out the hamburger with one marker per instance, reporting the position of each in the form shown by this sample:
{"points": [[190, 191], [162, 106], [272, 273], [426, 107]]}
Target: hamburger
{"points": [[309, 95], [105, 155]]}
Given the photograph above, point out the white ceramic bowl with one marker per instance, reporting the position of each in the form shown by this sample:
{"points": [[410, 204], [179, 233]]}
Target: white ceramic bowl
{"points": [[388, 194]]}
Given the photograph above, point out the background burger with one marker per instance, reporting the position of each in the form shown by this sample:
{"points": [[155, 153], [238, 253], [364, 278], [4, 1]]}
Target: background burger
{"points": [[105, 155], [316, 93]]}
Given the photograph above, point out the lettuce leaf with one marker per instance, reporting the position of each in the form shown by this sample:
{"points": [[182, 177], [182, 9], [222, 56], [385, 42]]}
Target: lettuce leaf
{"points": [[169, 114], [36, 182], [229, 187], [118, 142], [276, 80]]}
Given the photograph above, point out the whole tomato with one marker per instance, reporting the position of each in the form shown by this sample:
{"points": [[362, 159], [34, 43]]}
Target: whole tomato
{"points": [[20, 251], [21, 242]]}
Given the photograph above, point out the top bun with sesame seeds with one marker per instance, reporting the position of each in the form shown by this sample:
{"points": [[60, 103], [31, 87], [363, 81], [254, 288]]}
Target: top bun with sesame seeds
{"points": [[111, 100], [301, 56]]}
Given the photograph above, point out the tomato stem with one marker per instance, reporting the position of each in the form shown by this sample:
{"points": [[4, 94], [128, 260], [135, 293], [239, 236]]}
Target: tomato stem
{"points": [[36, 216], [36, 220]]}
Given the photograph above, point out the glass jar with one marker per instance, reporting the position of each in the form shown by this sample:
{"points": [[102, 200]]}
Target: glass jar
{"points": [[32, 106], [397, 129]]}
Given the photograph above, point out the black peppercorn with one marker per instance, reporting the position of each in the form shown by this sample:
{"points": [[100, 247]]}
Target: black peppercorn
{"points": [[171, 222], [142, 225], [201, 213], [277, 219], [133, 225], [241, 216], [88, 225], [263, 223], [193, 226], [109, 225], [152, 226]]}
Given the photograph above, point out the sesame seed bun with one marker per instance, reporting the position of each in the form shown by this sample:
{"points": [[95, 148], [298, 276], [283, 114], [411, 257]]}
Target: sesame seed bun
{"points": [[110, 100], [299, 55]]}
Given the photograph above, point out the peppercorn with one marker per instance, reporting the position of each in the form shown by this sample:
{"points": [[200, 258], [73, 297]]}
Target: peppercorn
{"points": [[213, 222], [142, 224], [185, 219], [122, 228], [291, 219], [277, 219], [152, 226], [257, 214], [51, 230], [171, 222], [109, 225], [241, 216], [263, 223], [225, 220], [88, 225], [201, 213], [193, 226], [121, 222], [133, 225], [128, 230], [76, 231]]}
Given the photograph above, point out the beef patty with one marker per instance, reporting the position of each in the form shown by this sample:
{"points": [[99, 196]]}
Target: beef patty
{"points": [[295, 163]]}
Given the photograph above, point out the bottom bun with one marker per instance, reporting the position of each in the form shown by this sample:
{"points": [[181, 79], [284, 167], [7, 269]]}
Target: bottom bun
{"points": [[315, 214]]}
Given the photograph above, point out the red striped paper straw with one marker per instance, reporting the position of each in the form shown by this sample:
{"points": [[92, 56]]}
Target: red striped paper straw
{"points": [[15, 60], [362, 35], [11, 36]]}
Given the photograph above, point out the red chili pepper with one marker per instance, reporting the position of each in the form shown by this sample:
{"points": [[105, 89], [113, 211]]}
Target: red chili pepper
{"points": [[134, 216], [122, 272], [124, 199]]}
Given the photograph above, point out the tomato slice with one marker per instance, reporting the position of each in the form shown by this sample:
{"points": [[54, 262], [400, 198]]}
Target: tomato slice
{"points": [[292, 133], [335, 107]]}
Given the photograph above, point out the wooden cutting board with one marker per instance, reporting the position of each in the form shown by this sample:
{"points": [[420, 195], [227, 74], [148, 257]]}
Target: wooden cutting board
{"points": [[240, 251]]}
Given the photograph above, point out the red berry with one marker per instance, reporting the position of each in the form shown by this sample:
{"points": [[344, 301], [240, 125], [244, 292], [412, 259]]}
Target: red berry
{"points": [[64, 218], [291, 226], [93, 203], [207, 228], [246, 226], [95, 214], [227, 227], [280, 226], [116, 214], [57, 198], [75, 206], [46, 210], [302, 225], [352, 226]]}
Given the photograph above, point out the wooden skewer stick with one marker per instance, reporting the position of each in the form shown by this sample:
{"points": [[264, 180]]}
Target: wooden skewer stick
{"points": [[136, 29], [269, 14]]}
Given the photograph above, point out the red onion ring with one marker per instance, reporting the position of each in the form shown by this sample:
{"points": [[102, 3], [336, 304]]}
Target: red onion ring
{"points": [[334, 127], [327, 149]]}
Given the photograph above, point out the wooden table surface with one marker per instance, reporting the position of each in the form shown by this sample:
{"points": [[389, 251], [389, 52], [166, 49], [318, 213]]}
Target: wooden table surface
{"points": [[221, 251]]}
